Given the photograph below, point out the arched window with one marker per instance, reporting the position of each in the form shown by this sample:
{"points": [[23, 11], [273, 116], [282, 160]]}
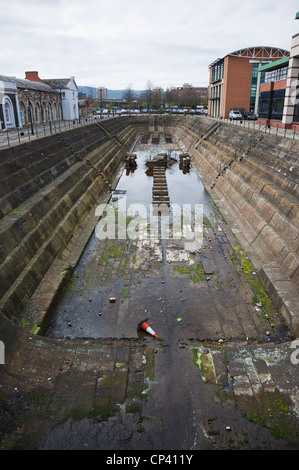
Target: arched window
{"points": [[30, 114], [54, 112], [49, 112], [37, 113], [43, 113], [22, 113], [9, 117]]}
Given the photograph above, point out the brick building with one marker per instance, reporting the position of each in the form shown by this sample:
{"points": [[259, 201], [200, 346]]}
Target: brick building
{"points": [[273, 80], [233, 79], [68, 92], [9, 104], [188, 95], [279, 90], [33, 102]]}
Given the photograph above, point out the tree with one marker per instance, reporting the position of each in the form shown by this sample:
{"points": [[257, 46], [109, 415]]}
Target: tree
{"points": [[169, 97], [148, 94], [157, 97], [129, 96]]}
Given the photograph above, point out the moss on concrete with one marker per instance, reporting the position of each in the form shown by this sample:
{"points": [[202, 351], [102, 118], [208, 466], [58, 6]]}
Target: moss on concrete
{"points": [[196, 272]]}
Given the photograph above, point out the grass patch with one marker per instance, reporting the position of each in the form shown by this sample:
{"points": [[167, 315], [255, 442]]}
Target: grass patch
{"points": [[125, 292], [212, 202], [273, 411], [196, 272], [206, 222], [202, 358], [260, 293]]}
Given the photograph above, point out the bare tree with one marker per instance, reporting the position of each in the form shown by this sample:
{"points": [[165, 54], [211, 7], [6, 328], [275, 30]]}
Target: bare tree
{"points": [[129, 96], [157, 98], [148, 94], [169, 97]]}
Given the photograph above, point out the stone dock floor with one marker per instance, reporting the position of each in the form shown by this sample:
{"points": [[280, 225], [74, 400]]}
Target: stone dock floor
{"points": [[222, 374], [214, 379]]}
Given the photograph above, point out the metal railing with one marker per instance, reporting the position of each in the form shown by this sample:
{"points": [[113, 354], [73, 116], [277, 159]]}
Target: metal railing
{"points": [[267, 129], [12, 137]]}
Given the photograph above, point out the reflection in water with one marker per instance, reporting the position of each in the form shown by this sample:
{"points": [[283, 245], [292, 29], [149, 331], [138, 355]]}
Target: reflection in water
{"points": [[184, 186], [130, 163]]}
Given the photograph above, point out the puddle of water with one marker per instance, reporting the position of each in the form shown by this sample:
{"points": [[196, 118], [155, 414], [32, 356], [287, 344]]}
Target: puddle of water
{"points": [[85, 304], [183, 187]]}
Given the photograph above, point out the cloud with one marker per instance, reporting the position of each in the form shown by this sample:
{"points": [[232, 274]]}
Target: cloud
{"points": [[114, 43]]}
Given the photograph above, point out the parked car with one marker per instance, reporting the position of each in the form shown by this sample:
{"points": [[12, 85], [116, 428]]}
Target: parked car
{"points": [[251, 116], [235, 114], [201, 112]]}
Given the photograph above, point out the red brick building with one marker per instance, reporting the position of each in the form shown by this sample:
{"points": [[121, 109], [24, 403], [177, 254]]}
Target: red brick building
{"points": [[233, 79], [273, 79], [187, 95], [279, 95]]}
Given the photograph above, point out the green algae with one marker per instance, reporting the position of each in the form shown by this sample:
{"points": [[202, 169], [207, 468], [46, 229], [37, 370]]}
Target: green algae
{"points": [[260, 293], [273, 410], [196, 272], [202, 358]]}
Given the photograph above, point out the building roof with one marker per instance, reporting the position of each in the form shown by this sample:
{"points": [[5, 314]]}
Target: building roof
{"points": [[268, 52], [59, 83], [256, 52], [28, 84], [277, 64]]}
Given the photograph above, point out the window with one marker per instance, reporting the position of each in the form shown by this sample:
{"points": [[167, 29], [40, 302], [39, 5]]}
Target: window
{"points": [[8, 111], [277, 104], [264, 104], [37, 113], [43, 113], [271, 104], [276, 75], [49, 113], [218, 71], [296, 113], [22, 113], [30, 113]]}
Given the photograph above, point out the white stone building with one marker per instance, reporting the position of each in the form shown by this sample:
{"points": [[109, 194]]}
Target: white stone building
{"points": [[68, 90], [9, 104]]}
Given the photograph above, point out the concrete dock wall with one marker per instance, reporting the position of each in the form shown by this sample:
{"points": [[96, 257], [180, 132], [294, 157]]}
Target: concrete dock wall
{"points": [[254, 180], [50, 189], [51, 186]]}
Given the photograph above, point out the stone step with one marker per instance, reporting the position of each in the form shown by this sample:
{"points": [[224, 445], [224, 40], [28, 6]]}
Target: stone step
{"points": [[41, 165], [42, 239], [36, 213]]}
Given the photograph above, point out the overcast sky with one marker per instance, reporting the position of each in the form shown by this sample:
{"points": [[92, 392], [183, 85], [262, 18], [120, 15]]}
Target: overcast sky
{"points": [[121, 43]]}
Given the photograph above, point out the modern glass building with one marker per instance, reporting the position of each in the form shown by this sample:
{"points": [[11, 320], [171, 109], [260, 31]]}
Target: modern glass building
{"points": [[272, 92], [234, 79]]}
